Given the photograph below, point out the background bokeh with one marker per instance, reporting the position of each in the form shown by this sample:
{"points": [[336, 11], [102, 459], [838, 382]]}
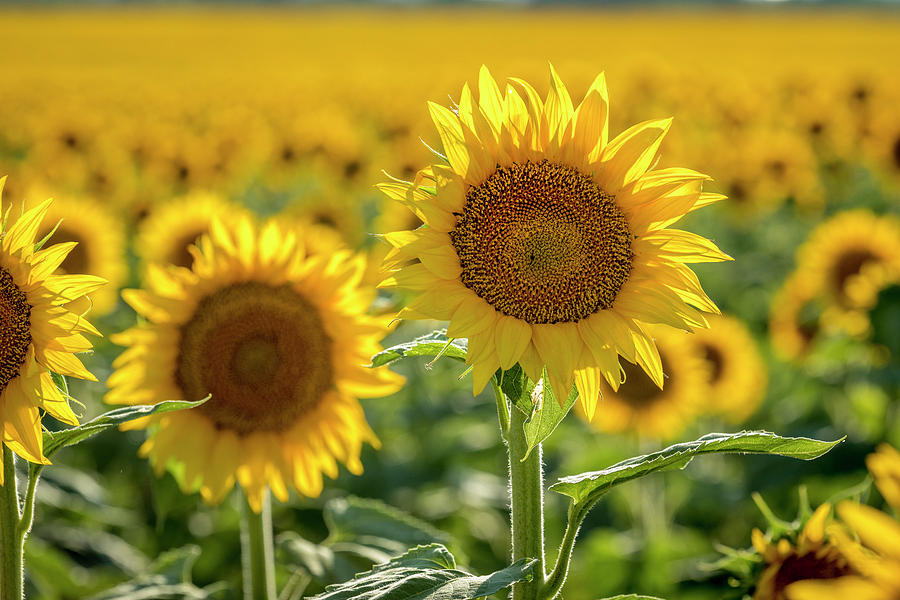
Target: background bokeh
{"points": [[143, 122]]}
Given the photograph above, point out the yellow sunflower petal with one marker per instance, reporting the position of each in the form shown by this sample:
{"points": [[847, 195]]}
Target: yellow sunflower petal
{"points": [[630, 154]]}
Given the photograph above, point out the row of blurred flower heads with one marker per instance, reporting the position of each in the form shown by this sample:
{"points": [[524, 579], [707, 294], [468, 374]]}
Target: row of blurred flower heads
{"points": [[135, 185]]}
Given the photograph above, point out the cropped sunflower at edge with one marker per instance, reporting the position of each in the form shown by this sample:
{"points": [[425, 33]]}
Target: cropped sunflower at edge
{"points": [[545, 243], [43, 328], [279, 339]]}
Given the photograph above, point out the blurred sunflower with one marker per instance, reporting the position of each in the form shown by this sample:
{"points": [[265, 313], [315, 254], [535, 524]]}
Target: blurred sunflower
{"points": [[884, 465], [100, 237], [849, 259], [875, 573], [814, 556], [639, 405], [848, 253], [170, 229], [330, 205], [41, 332], [794, 318], [736, 374], [882, 146], [547, 245], [279, 340]]}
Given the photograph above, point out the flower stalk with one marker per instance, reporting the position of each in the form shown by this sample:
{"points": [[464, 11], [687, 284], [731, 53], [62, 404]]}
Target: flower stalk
{"points": [[257, 551], [11, 542], [526, 484]]}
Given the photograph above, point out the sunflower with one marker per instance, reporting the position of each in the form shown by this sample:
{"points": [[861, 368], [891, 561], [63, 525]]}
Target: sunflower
{"points": [[884, 465], [42, 330], [329, 205], [100, 237], [640, 406], [170, 229], [278, 339], [876, 564], [794, 318], [848, 255], [546, 245], [814, 556], [736, 373]]}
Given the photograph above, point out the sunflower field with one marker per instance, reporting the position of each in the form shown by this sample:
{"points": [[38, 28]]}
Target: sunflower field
{"points": [[444, 302]]}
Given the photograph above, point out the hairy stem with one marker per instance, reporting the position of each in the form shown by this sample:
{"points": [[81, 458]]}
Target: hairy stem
{"points": [[11, 545], [557, 577], [527, 507]]}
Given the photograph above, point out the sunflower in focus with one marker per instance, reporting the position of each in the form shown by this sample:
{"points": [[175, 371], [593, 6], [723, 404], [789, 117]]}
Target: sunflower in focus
{"points": [[546, 244], [278, 339], [639, 405], [814, 556], [42, 330], [170, 229], [736, 374], [876, 562]]}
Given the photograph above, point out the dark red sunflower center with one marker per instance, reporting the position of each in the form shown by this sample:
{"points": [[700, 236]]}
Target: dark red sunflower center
{"points": [[824, 564], [261, 351], [543, 243], [15, 328]]}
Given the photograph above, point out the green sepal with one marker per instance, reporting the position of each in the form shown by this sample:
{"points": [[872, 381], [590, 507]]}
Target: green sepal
{"points": [[435, 343], [591, 485], [546, 414], [426, 573], [517, 388]]}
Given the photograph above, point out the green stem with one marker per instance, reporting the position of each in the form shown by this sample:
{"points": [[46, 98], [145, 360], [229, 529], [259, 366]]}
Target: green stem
{"points": [[557, 577], [34, 474], [11, 573], [257, 551], [527, 513], [502, 408]]}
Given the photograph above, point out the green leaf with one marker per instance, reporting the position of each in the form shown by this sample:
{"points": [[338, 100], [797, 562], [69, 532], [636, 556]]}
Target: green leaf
{"points": [[426, 573], [374, 523], [435, 343], [169, 577], [547, 413], [57, 440], [631, 597], [590, 486]]}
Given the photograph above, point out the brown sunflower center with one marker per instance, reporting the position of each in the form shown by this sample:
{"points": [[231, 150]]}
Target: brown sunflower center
{"points": [[15, 328], [827, 564], [77, 260], [543, 243], [896, 152], [261, 351], [716, 361], [848, 265], [179, 253], [638, 390]]}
